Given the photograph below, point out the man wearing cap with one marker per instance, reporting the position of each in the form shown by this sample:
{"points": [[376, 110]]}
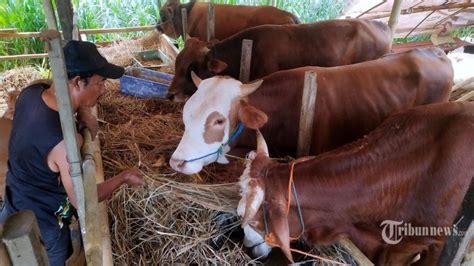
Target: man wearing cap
{"points": [[38, 176]]}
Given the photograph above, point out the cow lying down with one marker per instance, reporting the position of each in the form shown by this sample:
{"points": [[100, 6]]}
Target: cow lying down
{"points": [[415, 168], [351, 101]]}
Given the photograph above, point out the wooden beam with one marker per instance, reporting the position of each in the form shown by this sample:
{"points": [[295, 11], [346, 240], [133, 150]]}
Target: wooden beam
{"points": [[22, 57], [103, 213], [424, 9], [61, 86], [419, 23], [308, 106], [352, 249], [372, 8], [65, 14], [4, 257], [393, 20], [84, 31], [21, 235], [211, 15], [184, 22], [245, 60], [10, 30]]}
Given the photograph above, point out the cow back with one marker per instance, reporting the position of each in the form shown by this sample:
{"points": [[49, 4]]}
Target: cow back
{"points": [[351, 100], [325, 43], [231, 19]]}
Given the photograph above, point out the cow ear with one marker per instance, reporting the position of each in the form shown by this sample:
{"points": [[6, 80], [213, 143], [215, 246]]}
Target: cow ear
{"points": [[197, 80], [216, 66], [247, 89], [251, 117], [279, 229]]}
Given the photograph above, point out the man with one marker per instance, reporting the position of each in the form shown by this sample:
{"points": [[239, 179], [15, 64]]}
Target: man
{"points": [[38, 176]]}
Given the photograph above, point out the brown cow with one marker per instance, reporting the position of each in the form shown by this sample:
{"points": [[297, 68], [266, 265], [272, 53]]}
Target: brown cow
{"points": [[351, 101], [412, 171], [229, 19], [278, 47]]}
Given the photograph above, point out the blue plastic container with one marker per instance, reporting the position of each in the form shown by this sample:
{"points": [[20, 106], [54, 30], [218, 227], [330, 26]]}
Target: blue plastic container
{"points": [[142, 82]]}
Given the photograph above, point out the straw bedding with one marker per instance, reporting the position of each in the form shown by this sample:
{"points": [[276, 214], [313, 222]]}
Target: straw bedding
{"points": [[174, 218]]}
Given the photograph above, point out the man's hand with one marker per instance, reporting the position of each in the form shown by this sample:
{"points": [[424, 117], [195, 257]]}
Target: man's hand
{"points": [[85, 118], [133, 177]]}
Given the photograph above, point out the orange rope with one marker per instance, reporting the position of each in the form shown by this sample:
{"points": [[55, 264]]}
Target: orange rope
{"points": [[292, 167]]}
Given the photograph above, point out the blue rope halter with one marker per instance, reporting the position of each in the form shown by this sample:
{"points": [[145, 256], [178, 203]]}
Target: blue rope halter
{"points": [[220, 150]]}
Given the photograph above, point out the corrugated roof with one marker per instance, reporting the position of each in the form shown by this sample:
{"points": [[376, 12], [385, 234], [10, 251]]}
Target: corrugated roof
{"points": [[417, 16]]}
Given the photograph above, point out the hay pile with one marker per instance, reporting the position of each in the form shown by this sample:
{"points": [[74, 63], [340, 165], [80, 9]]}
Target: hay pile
{"points": [[15, 80], [172, 219]]}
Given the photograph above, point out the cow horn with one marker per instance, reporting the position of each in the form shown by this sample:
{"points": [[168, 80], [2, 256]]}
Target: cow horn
{"points": [[261, 144], [246, 89], [197, 80]]}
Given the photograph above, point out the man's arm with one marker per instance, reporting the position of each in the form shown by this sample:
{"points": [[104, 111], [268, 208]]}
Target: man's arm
{"points": [[57, 162]]}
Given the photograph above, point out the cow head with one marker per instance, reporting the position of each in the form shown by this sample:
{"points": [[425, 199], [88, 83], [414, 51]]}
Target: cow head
{"points": [[196, 56], [250, 209], [210, 116], [170, 17]]}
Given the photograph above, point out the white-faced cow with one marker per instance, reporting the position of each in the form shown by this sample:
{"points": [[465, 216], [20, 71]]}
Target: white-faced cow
{"points": [[413, 170], [229, 19], [351, 101], [277, 47]]}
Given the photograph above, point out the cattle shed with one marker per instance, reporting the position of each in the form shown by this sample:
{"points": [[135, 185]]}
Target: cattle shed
{"points": [[180, 219]]}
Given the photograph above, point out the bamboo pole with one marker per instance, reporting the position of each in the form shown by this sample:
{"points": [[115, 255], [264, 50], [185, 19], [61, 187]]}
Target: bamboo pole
{"points": [[68, 126], [102, 208], [424, 9], [184, 22], [22, 57], [211, 15], [393, 20], [245, 60], [84, 31], [308, 107], [65, 18]]}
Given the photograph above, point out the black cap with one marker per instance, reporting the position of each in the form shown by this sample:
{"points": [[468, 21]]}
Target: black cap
{"points": [[84, 57]]}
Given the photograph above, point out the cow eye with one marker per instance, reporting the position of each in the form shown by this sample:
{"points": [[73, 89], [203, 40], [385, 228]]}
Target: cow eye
{"points": [[219, 122]]}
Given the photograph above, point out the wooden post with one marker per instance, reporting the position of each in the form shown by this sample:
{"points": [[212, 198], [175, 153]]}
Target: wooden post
{"points": [[4, 257], [211, 22], [68, 126], [21, 235], [103, 214], [75, 29], [308, 107], [65, 18], [274, 3], [393, 20], [184, 21], [245, 60]]}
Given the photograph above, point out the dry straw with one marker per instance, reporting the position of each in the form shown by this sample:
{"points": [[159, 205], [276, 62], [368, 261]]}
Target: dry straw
{"points": [[172, 219]]}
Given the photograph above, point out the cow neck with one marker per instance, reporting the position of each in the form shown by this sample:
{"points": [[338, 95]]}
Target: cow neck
{"points": [[291, 193]]}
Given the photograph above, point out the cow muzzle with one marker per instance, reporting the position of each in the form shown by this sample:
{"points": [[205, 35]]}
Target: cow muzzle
{"points": [[176, 97], [187, 168]]}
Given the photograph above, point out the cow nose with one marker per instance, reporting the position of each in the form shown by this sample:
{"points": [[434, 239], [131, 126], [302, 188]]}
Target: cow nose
{"points": [[177, 164]]}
